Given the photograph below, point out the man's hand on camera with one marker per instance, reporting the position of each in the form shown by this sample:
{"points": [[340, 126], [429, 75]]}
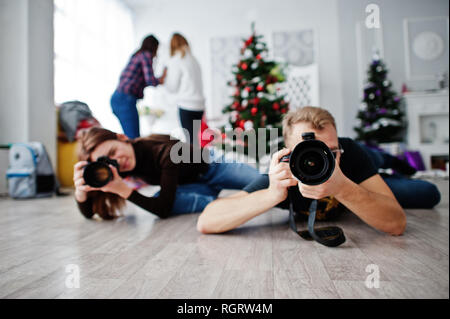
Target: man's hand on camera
{"points": [[280, 177], [332, 187]]}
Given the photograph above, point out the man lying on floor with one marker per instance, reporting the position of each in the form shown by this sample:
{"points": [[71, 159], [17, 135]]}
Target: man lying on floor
{"points": [[355, 184]]}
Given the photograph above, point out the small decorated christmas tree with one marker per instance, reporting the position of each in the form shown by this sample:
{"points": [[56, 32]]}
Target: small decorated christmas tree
{"points": [[256, 102], [381, 118]]}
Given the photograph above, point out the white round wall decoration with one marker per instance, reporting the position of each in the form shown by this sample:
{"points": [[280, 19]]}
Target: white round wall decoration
{"points": [[428, 45]]}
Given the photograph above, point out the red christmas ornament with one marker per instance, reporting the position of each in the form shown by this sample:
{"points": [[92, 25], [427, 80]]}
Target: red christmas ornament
{"points": [[241, 124], [248, 89], [244, 66], [283, 111], [269, 79], [254, 110], [255, 100], [260, 87], [258, 57], [239, 77], [249, 41], [276, 106], [235, 104]]}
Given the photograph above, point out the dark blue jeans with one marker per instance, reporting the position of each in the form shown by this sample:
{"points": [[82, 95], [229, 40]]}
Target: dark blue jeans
{"points": [[124, 107], [410, 193], [192, 198], [187, 122]]}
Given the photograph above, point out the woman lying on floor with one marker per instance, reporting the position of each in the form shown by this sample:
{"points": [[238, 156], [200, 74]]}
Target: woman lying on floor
{"points": [[185, 187]]}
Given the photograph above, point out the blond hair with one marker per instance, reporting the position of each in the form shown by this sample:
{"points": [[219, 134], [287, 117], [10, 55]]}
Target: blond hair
{"points": [[178, 43], [315, 116]]}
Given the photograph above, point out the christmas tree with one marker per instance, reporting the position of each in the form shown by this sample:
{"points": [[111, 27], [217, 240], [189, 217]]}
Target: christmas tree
{"points": [[381, 118], [256, 102]]}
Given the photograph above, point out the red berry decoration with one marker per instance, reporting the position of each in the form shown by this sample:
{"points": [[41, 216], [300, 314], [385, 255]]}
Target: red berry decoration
{"points": [[283, 111], [248, 89], [254, 110], [276, 106], [244, 66], [260, 87], [235, 104], [256, 100], [258, 57]]}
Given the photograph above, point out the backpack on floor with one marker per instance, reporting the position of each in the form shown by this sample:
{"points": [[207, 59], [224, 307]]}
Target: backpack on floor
{"points": [[30, 173]]}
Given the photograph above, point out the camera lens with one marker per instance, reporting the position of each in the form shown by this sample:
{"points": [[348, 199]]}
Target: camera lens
{"points": [[312, 163], [97, 174]]}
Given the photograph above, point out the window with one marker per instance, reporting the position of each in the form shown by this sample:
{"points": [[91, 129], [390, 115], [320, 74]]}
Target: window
{"points": [[93, 42]]}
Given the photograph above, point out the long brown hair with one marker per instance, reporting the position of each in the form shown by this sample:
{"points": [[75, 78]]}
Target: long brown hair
{"points": [[149, 44], [106, 205], [178, 43]]}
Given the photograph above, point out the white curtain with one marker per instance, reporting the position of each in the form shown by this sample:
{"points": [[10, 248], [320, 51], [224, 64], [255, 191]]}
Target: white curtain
{"points": [[93, 42]]}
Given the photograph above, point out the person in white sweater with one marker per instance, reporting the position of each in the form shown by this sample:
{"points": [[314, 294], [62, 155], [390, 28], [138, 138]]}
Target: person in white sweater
{"points": [[184, 79]]}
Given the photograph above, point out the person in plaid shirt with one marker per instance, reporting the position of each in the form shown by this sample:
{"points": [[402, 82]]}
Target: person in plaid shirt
{"points": [[137, 75]]}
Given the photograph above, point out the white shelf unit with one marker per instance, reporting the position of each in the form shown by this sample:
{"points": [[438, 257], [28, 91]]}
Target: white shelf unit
{"points": [[428, 123]]}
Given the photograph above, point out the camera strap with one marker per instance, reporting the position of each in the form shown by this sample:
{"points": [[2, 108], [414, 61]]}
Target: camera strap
{"points": [[330, 236]]}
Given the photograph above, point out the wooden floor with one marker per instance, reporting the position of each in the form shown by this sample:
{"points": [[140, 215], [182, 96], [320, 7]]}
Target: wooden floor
{"points": [[139, 256]]}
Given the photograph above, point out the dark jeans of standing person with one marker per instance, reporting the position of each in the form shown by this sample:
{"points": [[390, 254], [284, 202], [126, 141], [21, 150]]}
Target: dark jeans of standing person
{"points": [[410, 193], [124, 107], [187, 122]]}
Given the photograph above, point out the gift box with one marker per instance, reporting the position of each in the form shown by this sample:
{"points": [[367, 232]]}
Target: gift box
{"points": [[414, 159]]}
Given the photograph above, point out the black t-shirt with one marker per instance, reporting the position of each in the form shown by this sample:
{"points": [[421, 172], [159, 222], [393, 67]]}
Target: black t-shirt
{"points": [[355, 163]]}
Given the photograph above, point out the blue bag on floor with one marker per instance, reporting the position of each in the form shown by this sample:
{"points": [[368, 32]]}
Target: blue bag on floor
{"points": [[30, 173]]}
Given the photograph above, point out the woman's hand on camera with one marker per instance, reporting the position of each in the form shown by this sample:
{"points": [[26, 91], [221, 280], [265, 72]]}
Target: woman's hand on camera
{"points": [[116, 186], [81, 189], [280, 176]]}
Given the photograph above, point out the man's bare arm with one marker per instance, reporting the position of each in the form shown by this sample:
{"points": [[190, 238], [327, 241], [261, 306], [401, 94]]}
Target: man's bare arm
{"points": [[228, 213], [375, 204], [225, 214]]}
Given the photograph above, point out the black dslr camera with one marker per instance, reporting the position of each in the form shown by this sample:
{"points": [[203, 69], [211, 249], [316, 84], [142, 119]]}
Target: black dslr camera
{"points": [[312, 163], [98, 174]]}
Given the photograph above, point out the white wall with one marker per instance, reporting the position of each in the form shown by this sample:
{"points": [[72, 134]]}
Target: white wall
{"points": [[392, 13], [13, 70], [201, 20], [27, 111]]}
